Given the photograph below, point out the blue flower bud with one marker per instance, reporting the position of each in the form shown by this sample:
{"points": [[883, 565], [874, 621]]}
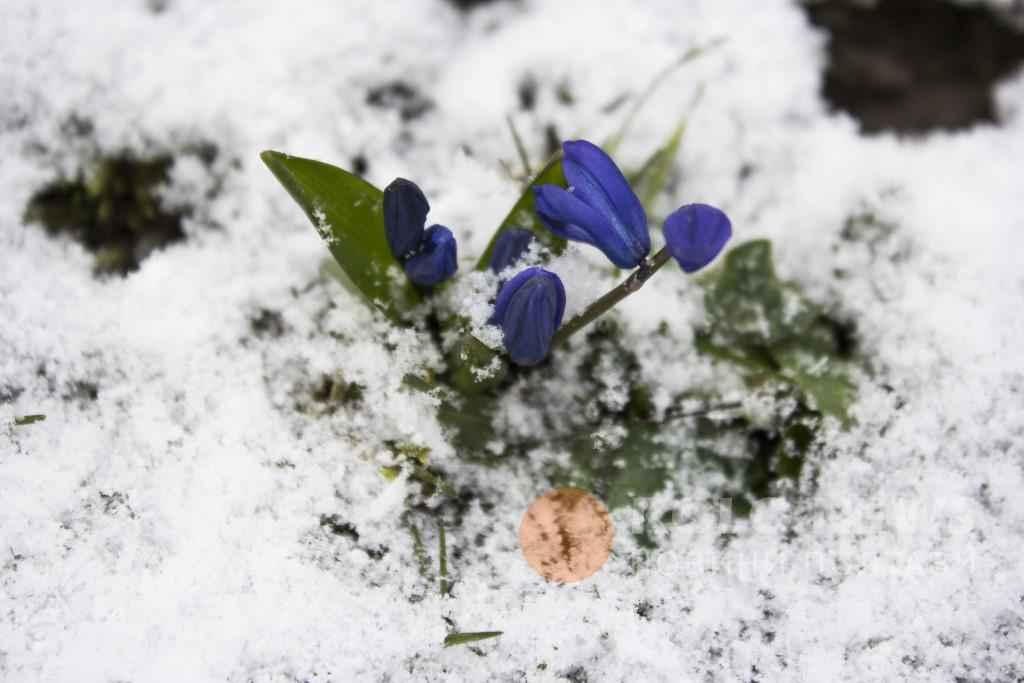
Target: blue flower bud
{"points": [[405, 215], [529, 309], [436, 261], [695, 235], [599, 208], [510, 247]]}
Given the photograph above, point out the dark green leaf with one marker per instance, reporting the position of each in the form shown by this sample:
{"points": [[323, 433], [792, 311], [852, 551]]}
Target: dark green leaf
{"points": [[770, 330], [28, 419], [748, 305], [474, 367], [636, 468], [463, 638], [347, 213], [524, 214], [820, 377], [471, 421]]}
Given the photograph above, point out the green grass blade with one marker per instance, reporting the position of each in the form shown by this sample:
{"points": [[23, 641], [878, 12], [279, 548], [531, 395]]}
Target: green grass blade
{"points": [[464, 638], [650, 180], [659, 79], [442, 551]]}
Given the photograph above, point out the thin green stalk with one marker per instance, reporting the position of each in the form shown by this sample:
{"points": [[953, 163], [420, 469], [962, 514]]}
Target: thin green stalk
{"points": [[442, 551], [656, 82], [671, 414], [631, 284], [520, 148]]}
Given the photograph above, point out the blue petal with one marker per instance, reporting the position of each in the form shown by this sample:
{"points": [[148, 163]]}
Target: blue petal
{"points": [[696, 234], [405, 214], [598, 182], [529, 310], [569, 218], [510, 247], [507, 290], [436, 261]]}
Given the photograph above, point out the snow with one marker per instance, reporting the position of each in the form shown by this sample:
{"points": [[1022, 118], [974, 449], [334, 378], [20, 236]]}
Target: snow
{"points": [[170, 528]]}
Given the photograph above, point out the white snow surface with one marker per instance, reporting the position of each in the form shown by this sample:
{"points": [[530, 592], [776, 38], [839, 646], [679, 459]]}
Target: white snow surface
{"points": [[169, 530]]}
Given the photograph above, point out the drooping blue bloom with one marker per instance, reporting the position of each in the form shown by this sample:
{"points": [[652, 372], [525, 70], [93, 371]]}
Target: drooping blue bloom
{"points": [[529, 309], [405, 216], [436, 260], [599, 208], [510, 247], [428, 256], [696, 234]]}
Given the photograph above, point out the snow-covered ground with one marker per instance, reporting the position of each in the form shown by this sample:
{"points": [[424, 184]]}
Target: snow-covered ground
{"points": [[164, 522]]}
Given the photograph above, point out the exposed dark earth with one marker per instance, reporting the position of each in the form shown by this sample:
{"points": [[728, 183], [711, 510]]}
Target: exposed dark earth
{"points": [[916, 65]]}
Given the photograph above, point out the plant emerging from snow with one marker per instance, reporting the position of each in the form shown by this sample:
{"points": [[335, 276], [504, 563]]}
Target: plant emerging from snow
{"points": [[598, 208], [519, 304]]}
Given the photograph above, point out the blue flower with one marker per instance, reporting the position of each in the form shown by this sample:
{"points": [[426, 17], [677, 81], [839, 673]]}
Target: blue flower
{"points": [[428, 256], [405, 215], [436, 260], [529, 310], [695, 235], [599, 208], [510, 247]]}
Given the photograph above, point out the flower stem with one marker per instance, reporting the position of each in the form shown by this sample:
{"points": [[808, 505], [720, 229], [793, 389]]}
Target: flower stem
{"points": [[633, 283]]}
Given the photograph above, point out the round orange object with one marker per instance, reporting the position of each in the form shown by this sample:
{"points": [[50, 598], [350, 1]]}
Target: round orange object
{"points": [[566, 535]]}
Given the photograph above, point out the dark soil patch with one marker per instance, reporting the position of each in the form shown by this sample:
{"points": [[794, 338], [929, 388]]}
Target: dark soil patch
{"points": [[114, 209], [267, 323], [466, 5], [915, 65], [401, 96]]}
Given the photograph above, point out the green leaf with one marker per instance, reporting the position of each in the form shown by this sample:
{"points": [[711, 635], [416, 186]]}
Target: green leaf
{"points": [[650, 179], [748, 305], [524, 212], [633, 469], [474, 367], [820, 377], [471, 421], [347, 213], [472, 637], [28, 419], [770, 330]]}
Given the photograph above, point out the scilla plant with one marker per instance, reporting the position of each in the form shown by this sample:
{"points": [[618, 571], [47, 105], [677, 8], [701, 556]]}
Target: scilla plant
{"points": [[777, 341], [586, 199]]}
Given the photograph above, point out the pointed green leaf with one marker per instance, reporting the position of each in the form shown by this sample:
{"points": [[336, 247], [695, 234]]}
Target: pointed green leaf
{"points": [[524, 213], [28, 419], [463, 638], [474, 367], [347, 213]]}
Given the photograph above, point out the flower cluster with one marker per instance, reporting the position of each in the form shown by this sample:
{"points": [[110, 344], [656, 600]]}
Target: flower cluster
{"points": [[427, 254], [598, 208], [601, 209]]}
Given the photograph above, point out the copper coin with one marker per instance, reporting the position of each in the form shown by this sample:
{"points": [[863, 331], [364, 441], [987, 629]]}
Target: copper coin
{"points": [[566, 535]]}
